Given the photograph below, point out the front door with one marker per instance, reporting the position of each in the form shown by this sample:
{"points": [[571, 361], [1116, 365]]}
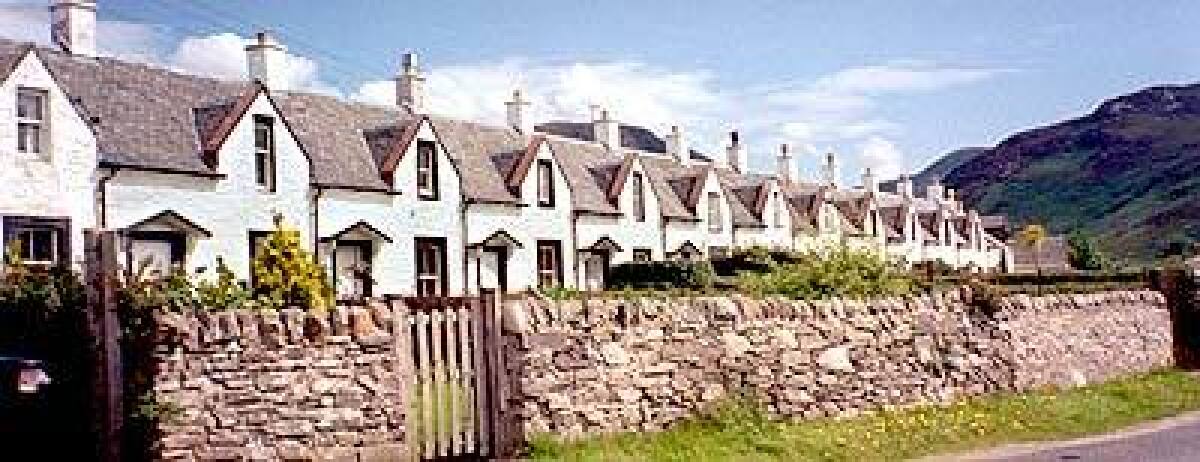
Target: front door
{"points": [[493, 271], [352, 262], [595, 271]]}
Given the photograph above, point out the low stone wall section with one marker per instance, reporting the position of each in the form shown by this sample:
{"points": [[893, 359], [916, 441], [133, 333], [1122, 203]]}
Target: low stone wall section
{"points": [[287, 385], [581, 368]]}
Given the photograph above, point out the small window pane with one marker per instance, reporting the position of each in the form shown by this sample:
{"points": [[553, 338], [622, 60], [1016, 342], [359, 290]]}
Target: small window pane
{"points": [[37, 245], [29, 104]]}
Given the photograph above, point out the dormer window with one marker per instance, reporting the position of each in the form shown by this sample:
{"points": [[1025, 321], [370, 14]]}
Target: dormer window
{"points": [[264, 152], [31, 120], [714, 212], [639, 198], [545, 181], [427, 170]]}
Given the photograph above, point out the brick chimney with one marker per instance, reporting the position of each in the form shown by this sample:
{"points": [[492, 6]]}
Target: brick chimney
{"points": [[784, 167], [517, 119], [410, 85], [73, 26], [677, 145], [607, 131], [266, 61], [736, 153]]}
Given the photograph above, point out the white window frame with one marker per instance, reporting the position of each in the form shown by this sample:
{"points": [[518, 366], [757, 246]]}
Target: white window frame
{"points": [[40, 123], [545, 182], [264, 156], [639, 197], [427, 170], [715, 217]]}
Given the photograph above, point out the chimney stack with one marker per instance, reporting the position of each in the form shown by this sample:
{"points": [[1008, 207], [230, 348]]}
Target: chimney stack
{"points": [[868, 181], [905, 186], [607, 131], [934, 192], [410, 85], [784, 166], [736, 152], [73, 26], [266, 62], [677, 146], [517, 119], [830, 170]]}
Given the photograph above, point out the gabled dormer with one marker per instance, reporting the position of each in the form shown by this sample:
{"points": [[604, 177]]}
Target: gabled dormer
{"points": [[537, 179], [414, 162], [250, 143]]}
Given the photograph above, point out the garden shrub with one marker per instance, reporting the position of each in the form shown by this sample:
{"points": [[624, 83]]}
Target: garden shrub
{"points": [[835, 272], [285, 274], [661, 275]]}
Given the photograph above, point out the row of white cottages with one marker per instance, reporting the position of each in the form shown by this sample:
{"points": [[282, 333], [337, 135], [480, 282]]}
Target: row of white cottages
{"points": [[394, 201]]}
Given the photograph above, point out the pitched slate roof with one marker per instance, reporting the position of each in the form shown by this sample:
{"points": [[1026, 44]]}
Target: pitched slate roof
{"points": [[149, 117], [742, 191], [590, 170], [484, 155], [854, 205], [672, 184], [806, 199], [632, 136], [893, 218]]}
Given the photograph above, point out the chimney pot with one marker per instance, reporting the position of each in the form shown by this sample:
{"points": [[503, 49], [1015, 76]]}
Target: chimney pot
{"points": [[830, 170], [606, 130], [784, 165], [517, 119]]}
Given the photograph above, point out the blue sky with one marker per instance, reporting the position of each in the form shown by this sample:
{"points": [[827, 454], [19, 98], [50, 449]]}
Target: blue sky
{"points": [[889, 84]]}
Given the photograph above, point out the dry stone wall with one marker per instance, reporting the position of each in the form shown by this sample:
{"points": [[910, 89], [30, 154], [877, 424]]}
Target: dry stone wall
{"points": [[582, 368], [285, 385]]}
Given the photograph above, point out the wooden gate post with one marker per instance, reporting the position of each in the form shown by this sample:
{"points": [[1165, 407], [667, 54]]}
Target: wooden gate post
{"points": [[100, 265], [1182, 291]]}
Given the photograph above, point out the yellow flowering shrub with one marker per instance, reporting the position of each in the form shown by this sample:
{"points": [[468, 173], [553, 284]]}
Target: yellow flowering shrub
{"points": [[285, 274]]}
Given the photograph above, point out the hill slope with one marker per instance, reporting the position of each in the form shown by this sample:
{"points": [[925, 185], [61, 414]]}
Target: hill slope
{"points": [[1128, 172]]}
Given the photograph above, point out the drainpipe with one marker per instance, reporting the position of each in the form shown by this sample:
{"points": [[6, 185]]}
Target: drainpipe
{"points": [[575, 250], [466, 262], [318, 191], [102, 195], [662, 231]]}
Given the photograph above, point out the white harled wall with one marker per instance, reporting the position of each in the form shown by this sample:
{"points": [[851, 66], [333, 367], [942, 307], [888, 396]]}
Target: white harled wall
{"points": [[60, 182], [228, 207]]}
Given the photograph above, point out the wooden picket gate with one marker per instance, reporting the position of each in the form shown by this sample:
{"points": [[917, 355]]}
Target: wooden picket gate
{"points": [[455, 385]]}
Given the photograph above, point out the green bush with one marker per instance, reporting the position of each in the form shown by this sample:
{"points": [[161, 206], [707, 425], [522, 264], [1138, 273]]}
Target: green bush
{"points": [[661, 275], [836, 272], [285, 274]]}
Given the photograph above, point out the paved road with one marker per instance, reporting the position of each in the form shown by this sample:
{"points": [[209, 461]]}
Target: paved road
{"points": [[1175, 440]]}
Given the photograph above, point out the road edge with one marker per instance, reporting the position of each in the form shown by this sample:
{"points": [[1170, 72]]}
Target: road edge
{"points": [[1024, 449]]}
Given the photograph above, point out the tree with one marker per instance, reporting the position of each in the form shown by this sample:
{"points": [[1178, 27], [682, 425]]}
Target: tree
{"points": [[1032, 236], [285, 274], [1084, 254]]}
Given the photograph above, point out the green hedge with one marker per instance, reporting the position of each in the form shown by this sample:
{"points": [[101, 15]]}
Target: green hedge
{"points": [[661, 275]]}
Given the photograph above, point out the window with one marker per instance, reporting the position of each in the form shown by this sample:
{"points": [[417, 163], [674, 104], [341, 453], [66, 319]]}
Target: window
{"points": [[642, 255], [639, 198], [545, 181], [714, 212], [31, 120], [352, 269], [431, 266], [777, 211], [154, 253], [39, 241], [549, 264], [427, 170], [264, 152]]}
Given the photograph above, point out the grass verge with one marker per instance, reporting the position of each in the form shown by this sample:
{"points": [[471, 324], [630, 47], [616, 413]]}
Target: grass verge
{"points": [[736, 432]]}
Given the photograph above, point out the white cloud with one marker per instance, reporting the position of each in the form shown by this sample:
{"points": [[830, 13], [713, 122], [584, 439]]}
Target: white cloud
{"points": [[223, 56], [29, 21], [883, 157], [901, 76]]}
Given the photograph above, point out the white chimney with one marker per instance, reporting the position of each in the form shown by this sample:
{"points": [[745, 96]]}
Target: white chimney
{"points": [[410, 85], [905, 186], [266, 61], [607, 131], [830, 170], [516, 113], [677, 145], [784, 167], [736, 152], [73, 26], [594, 112], [934, 192], [869, 182]]}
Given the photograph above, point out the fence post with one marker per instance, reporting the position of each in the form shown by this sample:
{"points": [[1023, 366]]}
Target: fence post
{"points": [[100, 265]]}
